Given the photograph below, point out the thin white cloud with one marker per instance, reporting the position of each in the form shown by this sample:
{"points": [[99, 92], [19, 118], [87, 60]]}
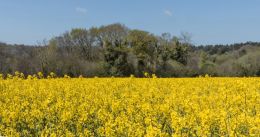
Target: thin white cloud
{"points": [[81, 10], [167, 12]]}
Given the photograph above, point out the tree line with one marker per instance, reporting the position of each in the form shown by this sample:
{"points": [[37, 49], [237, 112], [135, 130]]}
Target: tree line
{"points": [[115, 50]]}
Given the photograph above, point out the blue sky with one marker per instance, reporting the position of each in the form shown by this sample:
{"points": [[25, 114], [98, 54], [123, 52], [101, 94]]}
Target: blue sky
{"points": [[209, 22]]}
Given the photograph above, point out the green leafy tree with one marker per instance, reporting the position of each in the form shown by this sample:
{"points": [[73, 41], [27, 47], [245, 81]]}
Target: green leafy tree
{"points": [[116, 63], [144, 46]]}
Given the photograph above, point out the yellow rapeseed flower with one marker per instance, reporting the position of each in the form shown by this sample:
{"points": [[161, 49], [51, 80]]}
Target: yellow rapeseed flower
{"points": [[203, 106]]}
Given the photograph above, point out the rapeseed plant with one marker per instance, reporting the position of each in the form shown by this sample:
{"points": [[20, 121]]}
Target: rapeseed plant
{"points": [[129, 106]]}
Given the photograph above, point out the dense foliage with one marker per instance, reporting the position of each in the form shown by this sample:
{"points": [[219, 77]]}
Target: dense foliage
{"points": [[129, 106], [115, 50]]}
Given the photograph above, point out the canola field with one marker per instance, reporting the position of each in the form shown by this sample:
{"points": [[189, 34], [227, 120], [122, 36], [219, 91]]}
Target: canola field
{"points": [[150, 107]]}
